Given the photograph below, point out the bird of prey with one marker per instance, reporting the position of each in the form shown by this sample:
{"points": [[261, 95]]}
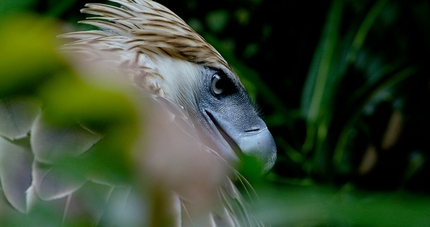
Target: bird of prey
{"points": [[200, 124]]}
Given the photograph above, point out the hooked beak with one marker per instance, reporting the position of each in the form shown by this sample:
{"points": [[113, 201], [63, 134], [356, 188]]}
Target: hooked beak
{"points": [[259, 144], [236, 141]]}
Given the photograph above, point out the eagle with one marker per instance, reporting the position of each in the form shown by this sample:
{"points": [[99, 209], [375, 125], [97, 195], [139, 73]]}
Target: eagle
{"points": [[199, 123]]}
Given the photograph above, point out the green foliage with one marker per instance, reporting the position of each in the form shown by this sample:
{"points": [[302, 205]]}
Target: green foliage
{"points": [[25, 62], [217, 20], [9, 6], [34, 75], [317, 206]]}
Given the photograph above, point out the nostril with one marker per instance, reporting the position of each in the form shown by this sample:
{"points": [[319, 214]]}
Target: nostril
{"points": [[253, 130]]}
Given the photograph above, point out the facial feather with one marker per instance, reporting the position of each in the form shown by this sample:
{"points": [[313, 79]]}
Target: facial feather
{"points": [[183, 80]]}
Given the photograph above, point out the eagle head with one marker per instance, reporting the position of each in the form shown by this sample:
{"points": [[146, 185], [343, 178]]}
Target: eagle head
{"points": [[162, 54]]}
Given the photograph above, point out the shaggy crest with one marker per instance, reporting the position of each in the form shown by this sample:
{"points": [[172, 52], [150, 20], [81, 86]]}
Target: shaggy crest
{"points": [[145, 37]]}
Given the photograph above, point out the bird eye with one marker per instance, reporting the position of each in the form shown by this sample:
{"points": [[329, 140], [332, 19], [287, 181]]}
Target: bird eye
{"points": [[217, 84]]}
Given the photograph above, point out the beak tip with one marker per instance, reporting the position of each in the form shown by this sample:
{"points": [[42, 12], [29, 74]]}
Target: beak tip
{"points": [[260, 145]]}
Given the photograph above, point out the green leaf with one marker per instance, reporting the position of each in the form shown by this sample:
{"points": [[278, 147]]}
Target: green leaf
{"points": [[12, 6], [28, 54], [217, 20]]}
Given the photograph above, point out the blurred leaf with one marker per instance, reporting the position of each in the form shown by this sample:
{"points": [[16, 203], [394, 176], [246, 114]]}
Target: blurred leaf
{"points": [[15, 179], [266, 31], [251, 168], [69, 98], [33, 66], [17, 116], [51, 144], [108, 112], [320, 83], [196, 24], [319, 206], [217, 20], [316, 84], [28, 54], [250, 50], [13, 6], [369, 92], [365, 26], [242, 16]]}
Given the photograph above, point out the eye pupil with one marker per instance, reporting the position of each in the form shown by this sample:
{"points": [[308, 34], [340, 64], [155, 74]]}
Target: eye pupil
{"points": [[217, 84]]}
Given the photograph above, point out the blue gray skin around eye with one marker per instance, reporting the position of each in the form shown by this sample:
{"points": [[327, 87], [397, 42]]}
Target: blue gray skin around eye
{"points": [[233, 124]]}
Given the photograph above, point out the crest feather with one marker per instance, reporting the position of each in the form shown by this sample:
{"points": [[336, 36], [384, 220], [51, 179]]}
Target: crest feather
{"points": [[149, 25]]}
